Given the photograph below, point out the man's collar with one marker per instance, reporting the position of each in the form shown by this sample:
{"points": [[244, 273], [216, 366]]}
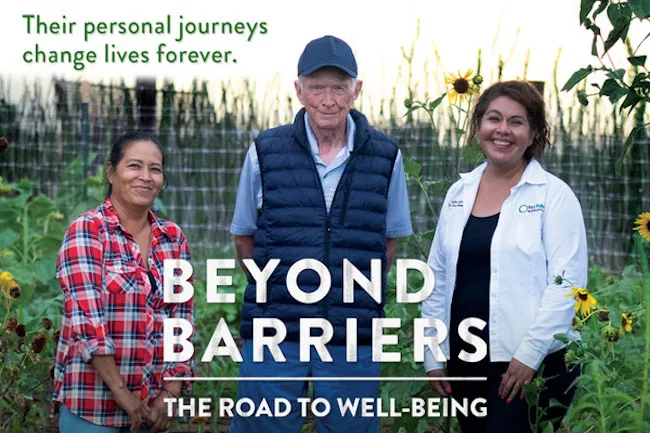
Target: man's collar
{"points": [[350, 129]]}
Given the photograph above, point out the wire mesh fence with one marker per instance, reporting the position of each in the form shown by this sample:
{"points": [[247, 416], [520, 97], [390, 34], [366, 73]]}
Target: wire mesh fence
{"points": [[205, 148]]}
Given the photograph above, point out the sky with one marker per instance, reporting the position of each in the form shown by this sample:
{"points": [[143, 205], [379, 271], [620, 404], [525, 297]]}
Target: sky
{"points": [[377, 32]]}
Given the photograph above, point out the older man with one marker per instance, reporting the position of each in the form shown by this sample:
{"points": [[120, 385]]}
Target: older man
{"points": [[328, 187]]}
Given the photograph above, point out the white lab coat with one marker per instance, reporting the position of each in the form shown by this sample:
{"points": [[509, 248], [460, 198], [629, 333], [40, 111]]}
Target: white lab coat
{"points": [[540, 234]]}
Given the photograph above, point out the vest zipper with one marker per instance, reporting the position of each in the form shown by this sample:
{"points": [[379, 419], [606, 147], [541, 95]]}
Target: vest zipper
{"points": [[328, 223], [328, 228], [346, 193], [328, 231]]}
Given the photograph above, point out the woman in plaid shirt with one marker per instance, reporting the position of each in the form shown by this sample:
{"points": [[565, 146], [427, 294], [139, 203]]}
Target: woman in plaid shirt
{"points": [[109, 363]]}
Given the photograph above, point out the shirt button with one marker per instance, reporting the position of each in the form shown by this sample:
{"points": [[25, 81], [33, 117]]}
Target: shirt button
{"points": [[494, 295]]}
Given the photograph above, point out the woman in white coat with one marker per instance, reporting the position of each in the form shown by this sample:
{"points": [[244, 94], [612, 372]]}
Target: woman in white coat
{"points": [[506, 231]]}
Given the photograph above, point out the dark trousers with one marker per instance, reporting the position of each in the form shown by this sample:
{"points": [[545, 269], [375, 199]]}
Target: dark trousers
{"points": [[514, 417]]}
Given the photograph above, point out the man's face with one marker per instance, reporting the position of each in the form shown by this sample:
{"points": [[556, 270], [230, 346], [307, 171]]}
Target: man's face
{"points": [[328, 95]]}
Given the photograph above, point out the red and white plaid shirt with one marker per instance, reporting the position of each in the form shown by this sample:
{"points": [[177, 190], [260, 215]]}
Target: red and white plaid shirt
{"points": [[111, 308]]}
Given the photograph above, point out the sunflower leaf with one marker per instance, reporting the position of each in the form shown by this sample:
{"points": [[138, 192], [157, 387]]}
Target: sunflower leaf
{"points": [[582, 98], [635, 135], [7, 238], [639, 79], [637, 60], [434, 104], [630, 101], [585, 7], [562, 337], [411, 167], [621, 25], [601, 7], [618, 74], [613, 90], [577, 77], [641, 8], [549, 428], [629, 271], [619, 12]]}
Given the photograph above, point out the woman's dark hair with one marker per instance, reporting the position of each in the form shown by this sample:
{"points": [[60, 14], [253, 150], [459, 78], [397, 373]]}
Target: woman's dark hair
{"points": [[122, 142], [524, 93]]}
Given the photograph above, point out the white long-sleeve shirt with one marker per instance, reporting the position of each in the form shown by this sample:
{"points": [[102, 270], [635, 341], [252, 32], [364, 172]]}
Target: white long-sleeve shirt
{"points": [[540, 234]]}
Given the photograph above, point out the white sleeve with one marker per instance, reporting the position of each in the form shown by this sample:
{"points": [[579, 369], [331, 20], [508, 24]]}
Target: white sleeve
{"points": [[565, 244], [435, 305]]}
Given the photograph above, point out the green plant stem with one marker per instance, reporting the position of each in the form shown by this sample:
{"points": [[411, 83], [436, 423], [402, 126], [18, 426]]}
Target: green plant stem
{"points": [[642, 41], [46, 225], [601, 409], [611, 62], [419, 247], [426, 194], [433, 126], [646, 350], [535, 426], [25, 234], [458, 140]]}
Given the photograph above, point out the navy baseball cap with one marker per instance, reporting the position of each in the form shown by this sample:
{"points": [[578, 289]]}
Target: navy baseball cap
{"points": [[327, 51]]}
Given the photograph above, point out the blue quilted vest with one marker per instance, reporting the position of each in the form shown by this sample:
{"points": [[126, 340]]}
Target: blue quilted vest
{"points": [[294, 224]]}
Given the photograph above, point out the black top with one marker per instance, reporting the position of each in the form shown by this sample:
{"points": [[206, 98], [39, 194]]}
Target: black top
{"points": [[152, 280], [472, 292]]}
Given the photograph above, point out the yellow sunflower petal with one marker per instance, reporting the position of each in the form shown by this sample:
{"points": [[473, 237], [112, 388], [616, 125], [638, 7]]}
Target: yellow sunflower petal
{"points": [[584, 301], [643, 225], [453, 96]]}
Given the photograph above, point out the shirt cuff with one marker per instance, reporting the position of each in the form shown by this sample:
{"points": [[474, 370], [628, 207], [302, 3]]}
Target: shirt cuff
{"points": [[179, 370], [92, 347], [400, 232], [430, 362], [529, 356], [241, 231]]}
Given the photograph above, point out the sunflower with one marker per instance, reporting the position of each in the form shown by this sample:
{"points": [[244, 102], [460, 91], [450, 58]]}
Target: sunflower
{"points": [[643, 225], [461, 88], [626, 322], [584, 301], [9, 286], [7, 281]]}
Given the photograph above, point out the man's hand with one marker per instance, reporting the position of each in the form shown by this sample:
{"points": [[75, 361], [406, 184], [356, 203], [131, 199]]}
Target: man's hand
{"points": [[158, 420], [244, 249], [441, 387], [136, 409], [512, 379], [391, 251]]}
